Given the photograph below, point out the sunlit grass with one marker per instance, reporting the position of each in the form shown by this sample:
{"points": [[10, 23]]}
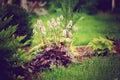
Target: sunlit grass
{"points": [[95, 26], [97, 69]]}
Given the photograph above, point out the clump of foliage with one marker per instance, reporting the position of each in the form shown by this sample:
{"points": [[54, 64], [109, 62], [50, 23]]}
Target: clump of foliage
{"points": [[20, 17], [67, 9], [54, 55], [55, 31], [9, 45], [54, 50], [101, 46]]}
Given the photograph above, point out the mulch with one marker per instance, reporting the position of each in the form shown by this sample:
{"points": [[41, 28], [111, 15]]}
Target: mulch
{"points": [[85, 53]]}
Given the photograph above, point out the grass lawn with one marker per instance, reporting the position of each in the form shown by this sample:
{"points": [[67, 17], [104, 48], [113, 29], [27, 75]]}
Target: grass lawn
{"points": [[99, 68], [95, 26], [92, 26]]}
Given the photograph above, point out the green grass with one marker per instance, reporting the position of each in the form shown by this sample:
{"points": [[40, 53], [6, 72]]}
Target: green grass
{"points": [[99, 68], [96, 69], [92, 26], [95, 26]]}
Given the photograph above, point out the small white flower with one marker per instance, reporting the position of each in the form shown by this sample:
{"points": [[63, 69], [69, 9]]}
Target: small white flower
{"points": [[53, 21], [43, 30], [61, 17], [35, 26], [39, 22], [49, 24], [58, 21], [55, 24], [70, 24], [64, 33], [35, 32]]}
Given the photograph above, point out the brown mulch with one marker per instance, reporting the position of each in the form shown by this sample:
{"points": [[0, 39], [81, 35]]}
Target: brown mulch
{"points": [[83, 50], [85, 53]]}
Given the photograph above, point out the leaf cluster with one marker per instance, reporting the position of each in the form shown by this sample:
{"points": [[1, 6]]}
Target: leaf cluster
{"points": [[101, 46], [54, 55], [9, 46]]}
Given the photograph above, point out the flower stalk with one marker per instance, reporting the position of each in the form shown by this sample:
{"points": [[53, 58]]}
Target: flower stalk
{"points": [[57, 32]]}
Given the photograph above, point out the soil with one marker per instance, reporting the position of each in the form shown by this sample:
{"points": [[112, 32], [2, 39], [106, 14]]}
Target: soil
{"points": [[83, 50]]}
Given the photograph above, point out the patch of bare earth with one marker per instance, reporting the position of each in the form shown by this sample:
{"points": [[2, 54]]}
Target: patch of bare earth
{"points": [[84, 53]]}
